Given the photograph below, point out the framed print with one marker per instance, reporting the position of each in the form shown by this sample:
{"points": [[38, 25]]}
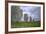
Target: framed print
{"points": [[24, 17]]}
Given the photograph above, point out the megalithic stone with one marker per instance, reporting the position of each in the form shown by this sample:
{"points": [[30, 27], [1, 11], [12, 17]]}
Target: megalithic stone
{"points": [[25, 17], [30, 19]]}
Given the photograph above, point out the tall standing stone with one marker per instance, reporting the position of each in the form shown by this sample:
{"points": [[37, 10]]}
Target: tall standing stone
{"points": [[25, 17], [30, 19]]}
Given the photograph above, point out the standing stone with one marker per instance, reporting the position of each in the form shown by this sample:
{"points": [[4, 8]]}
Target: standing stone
{"points": [[25, 17], [30, 19]]}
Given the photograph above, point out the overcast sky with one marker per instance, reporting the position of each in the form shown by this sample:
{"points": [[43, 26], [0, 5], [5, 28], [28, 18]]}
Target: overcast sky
{"points": [[33, 11]]}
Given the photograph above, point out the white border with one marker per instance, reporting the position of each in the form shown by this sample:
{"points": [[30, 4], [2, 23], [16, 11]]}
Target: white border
{"points": [[23, 29]]}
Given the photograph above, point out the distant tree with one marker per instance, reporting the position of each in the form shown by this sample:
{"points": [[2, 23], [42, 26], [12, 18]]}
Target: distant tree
{"points": [[16, 13]]}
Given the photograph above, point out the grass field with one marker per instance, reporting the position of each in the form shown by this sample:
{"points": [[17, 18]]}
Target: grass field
{"points": [[25, 24]]}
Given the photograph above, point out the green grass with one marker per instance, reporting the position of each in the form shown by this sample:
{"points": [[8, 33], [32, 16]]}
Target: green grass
{"points": [[25, 24]]}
